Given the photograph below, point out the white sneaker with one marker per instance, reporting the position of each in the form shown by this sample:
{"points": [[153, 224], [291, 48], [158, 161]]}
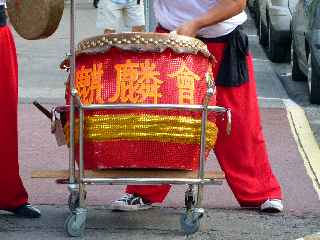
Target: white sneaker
{"points": [[129, 202], [272, 206]]}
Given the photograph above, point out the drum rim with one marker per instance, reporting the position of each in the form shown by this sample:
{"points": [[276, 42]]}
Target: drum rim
{"points": [[157, 42], [143, 42]]}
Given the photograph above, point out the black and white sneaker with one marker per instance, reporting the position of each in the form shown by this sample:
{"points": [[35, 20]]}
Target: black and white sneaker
{"points": [[26, 211], [272, 206], [129, 202]]}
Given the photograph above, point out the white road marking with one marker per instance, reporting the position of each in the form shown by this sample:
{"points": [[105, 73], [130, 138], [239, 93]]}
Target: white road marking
{"points": [[261, 60]]}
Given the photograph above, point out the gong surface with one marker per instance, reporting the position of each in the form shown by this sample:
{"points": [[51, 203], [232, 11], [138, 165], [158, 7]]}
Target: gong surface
{"points": [[35, 19]]}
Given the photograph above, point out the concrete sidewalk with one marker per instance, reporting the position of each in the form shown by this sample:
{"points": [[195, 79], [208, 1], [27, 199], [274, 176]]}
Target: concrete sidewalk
{"points": [[315, 236]]}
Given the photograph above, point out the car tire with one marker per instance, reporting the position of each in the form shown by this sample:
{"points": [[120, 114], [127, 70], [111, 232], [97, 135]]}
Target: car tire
{"points": [[313, 80], [262, 33], [297, 74], [277, 52], [256, 13]]}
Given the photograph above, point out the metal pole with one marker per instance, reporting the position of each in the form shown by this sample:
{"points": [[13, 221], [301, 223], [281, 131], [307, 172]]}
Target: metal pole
{"points": [[81, 160], [72, 91], [202, 151], [149, 181]]}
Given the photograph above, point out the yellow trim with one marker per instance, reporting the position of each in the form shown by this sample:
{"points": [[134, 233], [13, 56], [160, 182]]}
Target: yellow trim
{"points": [[162, 128], [307, 145], [315, 236]]}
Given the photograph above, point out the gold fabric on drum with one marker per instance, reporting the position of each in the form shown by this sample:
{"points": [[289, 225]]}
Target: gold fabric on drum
{"points": [[162, 128], [35, 19]]}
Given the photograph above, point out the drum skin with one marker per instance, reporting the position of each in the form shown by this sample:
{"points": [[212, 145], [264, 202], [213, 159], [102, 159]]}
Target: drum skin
{"points": [[167, 139], [35, 19]]}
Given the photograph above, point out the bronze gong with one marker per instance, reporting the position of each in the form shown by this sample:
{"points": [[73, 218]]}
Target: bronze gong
{"points": [[35, 19]]}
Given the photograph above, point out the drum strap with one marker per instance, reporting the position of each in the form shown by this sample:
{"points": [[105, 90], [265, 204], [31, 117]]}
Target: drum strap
{"points": [[3, 17]]}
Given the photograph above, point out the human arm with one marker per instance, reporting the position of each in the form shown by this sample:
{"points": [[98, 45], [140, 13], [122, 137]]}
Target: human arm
{"points": [[223, 10]]}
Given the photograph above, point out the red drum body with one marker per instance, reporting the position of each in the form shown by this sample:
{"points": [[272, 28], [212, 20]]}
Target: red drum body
{"points": [[142, 68]]}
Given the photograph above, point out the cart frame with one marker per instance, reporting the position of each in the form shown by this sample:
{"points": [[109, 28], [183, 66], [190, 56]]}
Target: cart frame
{"points": [[77, 180]]}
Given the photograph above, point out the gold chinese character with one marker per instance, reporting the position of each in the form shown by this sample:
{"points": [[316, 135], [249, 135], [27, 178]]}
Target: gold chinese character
{"points": [[89, 84], [186, 84], [96, 80], [149, 82], [137, 83]]}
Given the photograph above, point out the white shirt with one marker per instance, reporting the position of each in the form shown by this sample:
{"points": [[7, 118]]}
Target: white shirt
{"points": [[173, 13], [2, 2]]}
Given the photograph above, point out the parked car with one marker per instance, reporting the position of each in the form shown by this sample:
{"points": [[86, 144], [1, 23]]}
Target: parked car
{"points": [[273, 23], [306, 46]]}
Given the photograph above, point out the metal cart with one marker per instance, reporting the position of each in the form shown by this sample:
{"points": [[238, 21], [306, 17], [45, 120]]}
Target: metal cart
{"points": [[77, 180]]}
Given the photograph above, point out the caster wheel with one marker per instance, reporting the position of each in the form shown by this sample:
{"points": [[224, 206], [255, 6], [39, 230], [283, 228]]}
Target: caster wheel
{"points": [[73, 228], [73, 201], [190, 224]]}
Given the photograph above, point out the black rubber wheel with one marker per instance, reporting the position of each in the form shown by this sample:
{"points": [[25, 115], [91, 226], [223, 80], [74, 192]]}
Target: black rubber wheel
{"points": [[314, 80], [262, 32], [277, 52], [189, 224], [297, 74], [72, 228], [256, 13]]}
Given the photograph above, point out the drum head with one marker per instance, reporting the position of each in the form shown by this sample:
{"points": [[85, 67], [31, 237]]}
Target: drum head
{"points": [[35, 19]]}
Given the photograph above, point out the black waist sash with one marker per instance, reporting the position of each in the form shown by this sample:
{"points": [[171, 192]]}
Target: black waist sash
{"points": [[233, 68], [3, 18]]}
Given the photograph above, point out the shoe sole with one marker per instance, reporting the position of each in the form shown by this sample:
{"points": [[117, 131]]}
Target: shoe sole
{"points": [[271, 210], [129, 208]]}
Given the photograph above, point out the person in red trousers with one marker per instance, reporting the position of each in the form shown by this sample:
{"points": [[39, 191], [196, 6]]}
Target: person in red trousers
{"points": [[243, 155], [13, 197]]}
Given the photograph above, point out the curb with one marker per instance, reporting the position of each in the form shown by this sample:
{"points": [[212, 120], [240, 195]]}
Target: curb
{"points": [[315, 236], [306, 143], [307, 146]]}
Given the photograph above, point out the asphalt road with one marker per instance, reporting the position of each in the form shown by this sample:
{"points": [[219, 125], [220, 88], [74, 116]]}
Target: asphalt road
{"points": [[40, 78]]}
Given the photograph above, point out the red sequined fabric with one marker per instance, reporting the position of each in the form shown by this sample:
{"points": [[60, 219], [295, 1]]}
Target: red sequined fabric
{"points": [[142, 139]]}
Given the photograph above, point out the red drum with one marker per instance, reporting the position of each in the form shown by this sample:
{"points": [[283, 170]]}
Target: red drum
{"points": [[143, 68]]}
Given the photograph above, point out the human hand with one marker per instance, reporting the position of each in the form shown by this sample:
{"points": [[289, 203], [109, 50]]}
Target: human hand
{"points": [[189, 29]]}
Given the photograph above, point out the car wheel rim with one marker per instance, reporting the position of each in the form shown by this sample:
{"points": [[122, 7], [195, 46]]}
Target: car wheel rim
{"points": [[309, 72]]}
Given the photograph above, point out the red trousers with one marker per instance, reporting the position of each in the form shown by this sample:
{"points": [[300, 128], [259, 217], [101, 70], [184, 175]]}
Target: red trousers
{"points": [[13, 193], [242, 155]]}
